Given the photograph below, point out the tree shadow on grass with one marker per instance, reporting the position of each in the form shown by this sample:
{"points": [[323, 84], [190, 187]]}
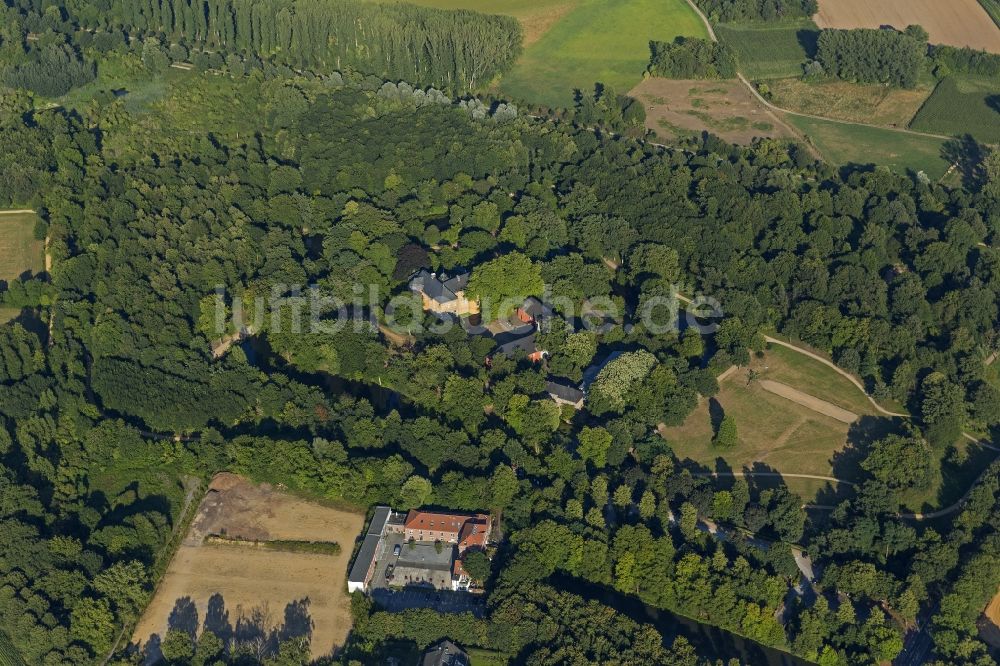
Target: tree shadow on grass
{"points": [[254, 632], [967, 154], [184, 617]]}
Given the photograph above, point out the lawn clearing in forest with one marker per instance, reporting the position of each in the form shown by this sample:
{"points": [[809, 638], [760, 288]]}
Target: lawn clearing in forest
{"points": [[962, 105], [842, 100], [843, 144], [675, 108], [773, 431], [782, 435], [20, 251], [955, 22], [771, 50], [599, 41], [218, 585]]}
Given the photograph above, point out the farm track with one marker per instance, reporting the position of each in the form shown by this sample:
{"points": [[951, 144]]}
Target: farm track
{"points": [[778, 109]]}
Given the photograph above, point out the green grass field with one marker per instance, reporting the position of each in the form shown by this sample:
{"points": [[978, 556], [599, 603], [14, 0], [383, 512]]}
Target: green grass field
{"points": [[773, 431], [790, 367], [20, 252], [962, 105], [604, 41], [480, 657], [771, 51], [859, 144]]}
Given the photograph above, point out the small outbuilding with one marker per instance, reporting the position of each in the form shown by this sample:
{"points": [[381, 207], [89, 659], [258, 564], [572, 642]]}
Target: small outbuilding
{"points": [[445, 653]]}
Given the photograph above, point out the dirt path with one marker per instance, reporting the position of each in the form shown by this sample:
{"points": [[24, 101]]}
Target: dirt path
{"points": [[833, 366], [985, 445], [831, 479], [811, 402], [899, 130], [20, 211], [778, 109]]}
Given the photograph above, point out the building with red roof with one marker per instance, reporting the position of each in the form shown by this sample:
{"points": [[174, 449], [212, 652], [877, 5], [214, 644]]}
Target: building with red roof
{"points": [[463, 530]]}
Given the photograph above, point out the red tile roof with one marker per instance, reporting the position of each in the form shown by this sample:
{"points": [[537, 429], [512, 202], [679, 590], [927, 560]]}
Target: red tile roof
{"points": [[468, 530]]}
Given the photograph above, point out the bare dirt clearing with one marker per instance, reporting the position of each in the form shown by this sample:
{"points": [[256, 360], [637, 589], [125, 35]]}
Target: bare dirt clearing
{"points": [[989, 623], [806, 400], [956, 22], [261, 594], [724, 108]]}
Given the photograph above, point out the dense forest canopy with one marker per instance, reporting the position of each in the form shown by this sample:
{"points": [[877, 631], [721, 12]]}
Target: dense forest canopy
{"points": [[736, 11], [873, 56]]}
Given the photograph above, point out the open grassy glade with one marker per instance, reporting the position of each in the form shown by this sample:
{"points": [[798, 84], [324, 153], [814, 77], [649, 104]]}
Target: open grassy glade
{"points": [[778, 436], [20, 251], [775, 434], [843, 143]]}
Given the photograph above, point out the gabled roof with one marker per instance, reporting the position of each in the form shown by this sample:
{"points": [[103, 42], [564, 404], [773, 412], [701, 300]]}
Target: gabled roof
{"points": [[369, 547], [439, 288], [535, 308], [436, 522], [445, 653], [509, 343], [457, 283], [474, 533], [564, 391]]}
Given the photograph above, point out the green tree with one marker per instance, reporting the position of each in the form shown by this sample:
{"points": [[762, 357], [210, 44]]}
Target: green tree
{"points": [[726, 437], [594, 445], [177, 647], [900, 462], [502, 284], [93, 623], [415, 492], [477, 565], [647, 505]]}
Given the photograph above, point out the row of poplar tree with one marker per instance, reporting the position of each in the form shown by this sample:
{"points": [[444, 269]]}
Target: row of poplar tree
{"points": [[459, 50]]}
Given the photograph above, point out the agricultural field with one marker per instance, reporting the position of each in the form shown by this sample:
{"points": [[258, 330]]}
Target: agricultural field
{"points": [[675, 108], [8, 653], [992, 8], [771, 50], [962, 105], [871, 104], [956, 22], [605, 41], [265, 590], [790, 436], [843, 143], [20, 251]]}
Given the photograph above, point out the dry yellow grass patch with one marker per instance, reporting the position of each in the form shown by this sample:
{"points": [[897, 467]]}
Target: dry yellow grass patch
{"points": [[260, 586], [871, 104]]}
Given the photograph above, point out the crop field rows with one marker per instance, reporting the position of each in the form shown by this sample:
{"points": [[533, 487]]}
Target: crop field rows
{"points": [[962, 105]]}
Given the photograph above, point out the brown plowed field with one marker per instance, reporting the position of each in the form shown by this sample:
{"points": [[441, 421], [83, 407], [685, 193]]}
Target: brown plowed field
{"points": [[954, 22]]}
